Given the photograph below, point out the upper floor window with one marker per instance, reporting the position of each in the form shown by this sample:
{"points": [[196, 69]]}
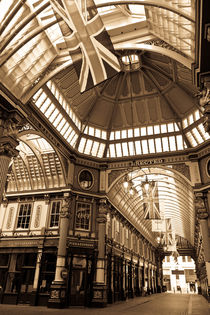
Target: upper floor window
{"points": [[54, 215], [24, 216], [83, 216]]}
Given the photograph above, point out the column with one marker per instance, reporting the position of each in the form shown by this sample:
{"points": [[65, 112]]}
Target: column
{"points": [[99, 289], [201, 204], [10, 123], [36, 277], [59, 285]]}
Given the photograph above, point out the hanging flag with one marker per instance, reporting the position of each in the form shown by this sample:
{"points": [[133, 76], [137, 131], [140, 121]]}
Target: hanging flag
{"points": [[150, 200], [87, 42], [168, 235]]}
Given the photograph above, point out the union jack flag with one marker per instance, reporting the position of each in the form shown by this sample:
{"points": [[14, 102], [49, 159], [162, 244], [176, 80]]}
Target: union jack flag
{"points": [[168, 235], [151, 201], [87, 41]]}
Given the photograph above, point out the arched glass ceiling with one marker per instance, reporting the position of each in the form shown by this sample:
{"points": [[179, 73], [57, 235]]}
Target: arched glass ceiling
{"points": [[30, 33], [175, 201], [145, 139], [37, 166], [29, 57]]}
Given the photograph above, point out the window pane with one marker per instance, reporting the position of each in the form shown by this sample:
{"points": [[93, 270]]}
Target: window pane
{"points": [[172, 143], [158, 145], [179, 141], [118, 149], [151, 146], [144, 146], [125, 148], [138, 147], [24, 216], [54, 217], [83, 216], [165, 144]]}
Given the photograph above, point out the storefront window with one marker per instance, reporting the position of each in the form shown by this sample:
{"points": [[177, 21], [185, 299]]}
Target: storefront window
{"points": [[83, 216]]}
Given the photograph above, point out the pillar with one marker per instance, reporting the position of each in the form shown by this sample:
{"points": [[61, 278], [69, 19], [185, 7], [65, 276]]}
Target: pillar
{"points": [[10, 123], [201, 204], [99, 288], [36, 277], [59, 286]]}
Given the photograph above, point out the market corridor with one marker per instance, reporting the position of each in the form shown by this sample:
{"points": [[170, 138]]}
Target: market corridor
{"points": [[158, 304]]}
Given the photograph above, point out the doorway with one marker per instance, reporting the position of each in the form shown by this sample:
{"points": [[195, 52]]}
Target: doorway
{"points": [[80, 280]]}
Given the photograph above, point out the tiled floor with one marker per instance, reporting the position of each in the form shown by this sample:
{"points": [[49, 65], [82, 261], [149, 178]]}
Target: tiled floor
{"points": [[157, 304]]}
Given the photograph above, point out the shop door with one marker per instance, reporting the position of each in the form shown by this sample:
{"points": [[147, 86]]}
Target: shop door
{"points": [[26, 286], [78, 287], [80, 281]]}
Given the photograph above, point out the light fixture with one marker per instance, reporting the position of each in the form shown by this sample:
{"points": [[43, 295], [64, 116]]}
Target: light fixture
{"points": [[158, 239]]}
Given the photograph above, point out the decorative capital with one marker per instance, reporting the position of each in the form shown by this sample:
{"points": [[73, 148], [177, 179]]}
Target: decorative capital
{"points": [[200, 205], [8, 146], [65, 209], [103, 206]]}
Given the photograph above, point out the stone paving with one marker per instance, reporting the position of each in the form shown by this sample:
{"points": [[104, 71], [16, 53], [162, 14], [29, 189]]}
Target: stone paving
{"points": [[157, 304]]}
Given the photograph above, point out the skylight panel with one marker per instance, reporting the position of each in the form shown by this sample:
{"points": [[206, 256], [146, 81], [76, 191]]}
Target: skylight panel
{"points": [[111, 137], [158, 145], [163, 128], [144, 147], [179, 141], [191, 119], [151, 145], [124, 134], [165, 144], [98, 133], [112, 150], [54, 115], [176, 128], [191, 139], [136, 132], [104, 135], [74, 139], [150, 130], [88, 146], [82, 145], [101, 150], [41, 100], [131, 148], [45, 105], [130, 133], [203, 132], [91, 131], [68, 132], [64, 129], [61, 124], [125, 148], [95, 148], [138, 147], [157, 129], [49, 110], [197, 115], [118, 149], [117, 135], [143, 131], [197, 135], [57, 120], [170, 127], [185, 123], [172, 143]]}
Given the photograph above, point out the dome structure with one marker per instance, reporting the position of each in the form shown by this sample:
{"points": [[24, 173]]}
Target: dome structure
{"points": [[148, 107]]}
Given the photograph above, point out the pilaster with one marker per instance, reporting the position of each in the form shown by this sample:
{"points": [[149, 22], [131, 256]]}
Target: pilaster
{"points": [[59, 287], [100, 288]]}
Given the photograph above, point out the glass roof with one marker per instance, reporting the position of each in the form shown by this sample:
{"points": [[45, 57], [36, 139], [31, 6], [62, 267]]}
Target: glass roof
{"points": [[151, 111], [175, 197]]}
